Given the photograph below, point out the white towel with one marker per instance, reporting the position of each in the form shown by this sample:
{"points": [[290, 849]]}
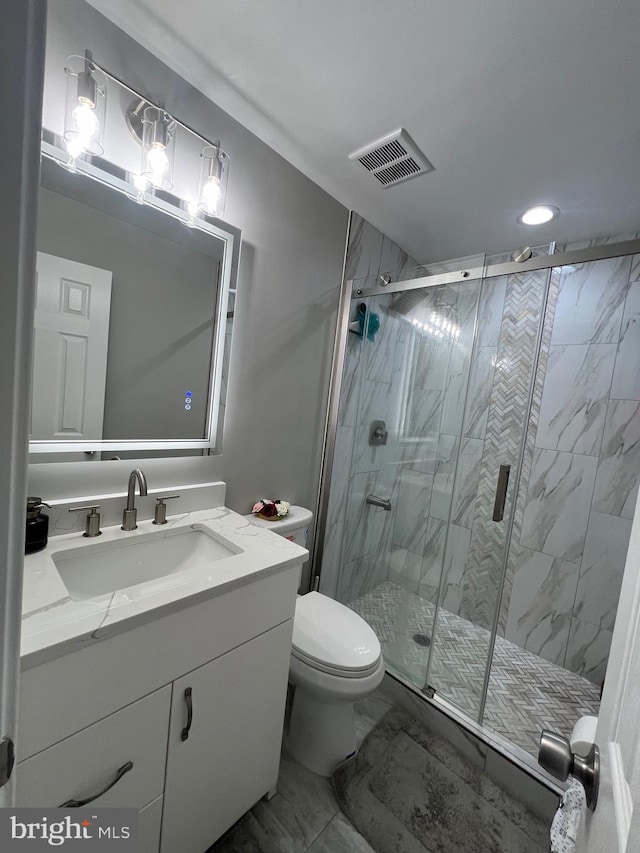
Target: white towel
{"points": [[564, 827]]}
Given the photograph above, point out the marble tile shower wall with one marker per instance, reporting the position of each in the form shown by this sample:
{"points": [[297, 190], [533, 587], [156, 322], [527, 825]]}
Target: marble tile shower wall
{"points": [[356, 553], [580, 497], [433, 361]]}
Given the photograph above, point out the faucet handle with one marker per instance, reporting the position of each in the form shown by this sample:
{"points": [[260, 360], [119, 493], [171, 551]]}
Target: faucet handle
{"points": [[160, 515], [92, 526]]}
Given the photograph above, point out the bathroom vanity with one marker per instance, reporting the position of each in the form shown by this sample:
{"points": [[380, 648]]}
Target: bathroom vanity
{"points": [[167, 696]]}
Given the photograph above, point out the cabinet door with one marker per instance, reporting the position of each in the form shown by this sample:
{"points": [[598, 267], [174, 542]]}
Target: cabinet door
{"points": [[228, 757]]}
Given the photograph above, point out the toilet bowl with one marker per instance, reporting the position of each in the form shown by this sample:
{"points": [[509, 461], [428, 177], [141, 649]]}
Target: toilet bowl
{"points": [[335, 660]]}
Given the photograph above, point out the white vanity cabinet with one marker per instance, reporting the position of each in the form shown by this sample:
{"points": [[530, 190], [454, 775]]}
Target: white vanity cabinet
{"points": [[230, 756], [197, 766]]}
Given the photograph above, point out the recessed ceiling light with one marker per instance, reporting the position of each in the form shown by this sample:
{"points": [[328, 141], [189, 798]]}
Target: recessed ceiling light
{"points": [[538, 215]]}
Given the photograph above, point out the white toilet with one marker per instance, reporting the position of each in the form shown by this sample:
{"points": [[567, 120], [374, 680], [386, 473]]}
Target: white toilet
{"points": [[335, 660]]}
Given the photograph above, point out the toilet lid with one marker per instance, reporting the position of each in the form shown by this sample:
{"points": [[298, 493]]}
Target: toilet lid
{"points": [[328, 633]]}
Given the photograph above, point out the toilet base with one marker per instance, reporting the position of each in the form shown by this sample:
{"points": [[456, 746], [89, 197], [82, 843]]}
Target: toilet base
{"points": [[321, 733]]}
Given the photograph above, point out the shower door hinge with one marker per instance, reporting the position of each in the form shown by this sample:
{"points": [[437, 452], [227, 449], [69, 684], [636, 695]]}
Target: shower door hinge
{"points": [[429, 691]]}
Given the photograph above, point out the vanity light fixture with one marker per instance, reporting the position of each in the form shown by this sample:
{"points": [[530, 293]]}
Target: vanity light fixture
{"points": [[201, 191], [539, 215], [85, 107], [154, 129], [212, 189]]}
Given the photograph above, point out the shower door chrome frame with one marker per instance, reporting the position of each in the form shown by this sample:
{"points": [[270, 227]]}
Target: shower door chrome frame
{"points": [[331, 419], [540, 262]]}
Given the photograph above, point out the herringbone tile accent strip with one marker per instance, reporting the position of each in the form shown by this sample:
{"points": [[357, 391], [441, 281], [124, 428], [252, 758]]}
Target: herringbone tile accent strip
{"points": [[526, 693], [513, 560], [506, 424]]}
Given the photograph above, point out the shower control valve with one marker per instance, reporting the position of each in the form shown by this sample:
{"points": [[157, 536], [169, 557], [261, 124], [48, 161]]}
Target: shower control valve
{"points": [[378, 433]]}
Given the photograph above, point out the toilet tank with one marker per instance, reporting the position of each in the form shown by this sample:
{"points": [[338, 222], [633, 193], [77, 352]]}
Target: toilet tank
{"points": [[294, 526]]}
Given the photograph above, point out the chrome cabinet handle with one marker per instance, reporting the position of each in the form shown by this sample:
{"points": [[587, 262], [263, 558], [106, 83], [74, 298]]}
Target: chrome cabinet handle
{"points": [[501, 492], [189, 701], [75, 804]]}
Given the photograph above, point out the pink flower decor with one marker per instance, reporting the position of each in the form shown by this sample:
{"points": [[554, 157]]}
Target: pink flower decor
{"points": [[271, 509]]}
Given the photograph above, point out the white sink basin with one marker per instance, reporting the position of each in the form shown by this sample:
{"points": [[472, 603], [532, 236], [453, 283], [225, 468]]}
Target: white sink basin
{"points": [[101, 568]]}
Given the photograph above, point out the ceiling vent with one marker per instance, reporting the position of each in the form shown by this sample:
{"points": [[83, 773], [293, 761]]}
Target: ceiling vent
{"points": [[393, 159]]}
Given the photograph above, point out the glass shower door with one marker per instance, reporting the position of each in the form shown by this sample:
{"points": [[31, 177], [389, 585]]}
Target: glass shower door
{"points": [[408, 379], [490, 455], [436, 397]]}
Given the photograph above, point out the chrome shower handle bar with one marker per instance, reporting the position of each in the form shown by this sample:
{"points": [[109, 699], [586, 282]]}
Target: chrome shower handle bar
{"points": [[501, 492]]}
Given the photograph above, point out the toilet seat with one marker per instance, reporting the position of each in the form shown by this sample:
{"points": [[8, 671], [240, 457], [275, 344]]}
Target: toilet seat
{"points": [[330, 638], [339, 671]]}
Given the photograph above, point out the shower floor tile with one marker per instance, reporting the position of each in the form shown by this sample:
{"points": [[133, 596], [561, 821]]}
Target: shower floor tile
{"points": [[526, 692]]}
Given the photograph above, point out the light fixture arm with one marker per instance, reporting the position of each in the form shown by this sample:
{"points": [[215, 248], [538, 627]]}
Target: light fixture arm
{"points": [[87, 86]]}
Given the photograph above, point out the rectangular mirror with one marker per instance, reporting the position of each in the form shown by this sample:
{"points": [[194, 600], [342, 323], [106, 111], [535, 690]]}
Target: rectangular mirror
{"points": [[133, 322]]}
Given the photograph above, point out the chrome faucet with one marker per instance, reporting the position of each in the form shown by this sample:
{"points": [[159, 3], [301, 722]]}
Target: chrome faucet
{"points": [[130, 514]]}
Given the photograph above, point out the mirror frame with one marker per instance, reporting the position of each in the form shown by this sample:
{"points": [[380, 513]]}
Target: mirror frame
{"points": [[115, 178]]}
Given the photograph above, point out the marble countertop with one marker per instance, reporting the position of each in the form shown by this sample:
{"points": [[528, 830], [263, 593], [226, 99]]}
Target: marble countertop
{"points": [[54, 623]]}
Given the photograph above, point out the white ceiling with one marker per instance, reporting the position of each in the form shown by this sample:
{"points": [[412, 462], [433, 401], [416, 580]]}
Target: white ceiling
{"points": [[515, 102]]}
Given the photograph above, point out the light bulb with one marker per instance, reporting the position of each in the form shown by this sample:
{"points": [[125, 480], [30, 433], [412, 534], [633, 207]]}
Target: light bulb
{"points": [[85, 120], [192, 209], [158, 164], [140, 183], [211, 194], [76, 145], [539, 215], [86, 126]]}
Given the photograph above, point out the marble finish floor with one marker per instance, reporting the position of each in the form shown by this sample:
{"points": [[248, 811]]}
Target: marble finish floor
{"points": [[409, 790], [526, 693], [304, 815]]}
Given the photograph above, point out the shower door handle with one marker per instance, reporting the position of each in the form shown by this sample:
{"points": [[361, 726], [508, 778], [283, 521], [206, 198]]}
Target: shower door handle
{"points": [[501, 492]]}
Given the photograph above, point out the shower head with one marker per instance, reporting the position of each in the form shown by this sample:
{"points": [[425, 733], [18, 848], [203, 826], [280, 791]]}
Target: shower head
{"points": [[406, 301]]}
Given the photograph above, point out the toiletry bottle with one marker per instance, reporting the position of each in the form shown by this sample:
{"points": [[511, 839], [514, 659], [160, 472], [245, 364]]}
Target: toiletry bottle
{"points": [[37, 526]]}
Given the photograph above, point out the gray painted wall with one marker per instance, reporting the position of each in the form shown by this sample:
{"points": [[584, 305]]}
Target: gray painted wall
{"points": [[290, 272]]}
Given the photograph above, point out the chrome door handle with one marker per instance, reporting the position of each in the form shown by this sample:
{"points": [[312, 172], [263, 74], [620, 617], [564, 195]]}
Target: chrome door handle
{"points": [[556, 757], [76, 804]]}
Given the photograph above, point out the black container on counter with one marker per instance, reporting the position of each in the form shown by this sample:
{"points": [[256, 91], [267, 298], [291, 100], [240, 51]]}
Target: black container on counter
{"points": [[37, 526]]}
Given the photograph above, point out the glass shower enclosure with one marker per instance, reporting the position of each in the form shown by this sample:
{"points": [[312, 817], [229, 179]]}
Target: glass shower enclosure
{"points": [[473, 419]]}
